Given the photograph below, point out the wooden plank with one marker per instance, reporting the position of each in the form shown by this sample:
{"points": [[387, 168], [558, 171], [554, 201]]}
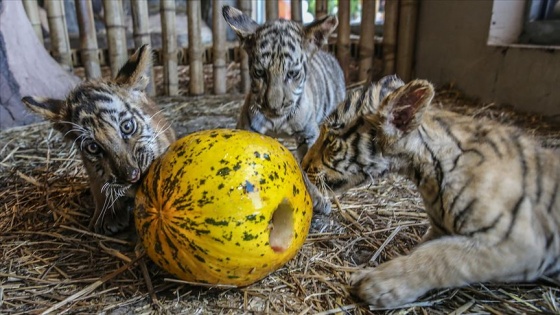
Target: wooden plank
{"points": [[196, 83], [343, 37], [321, 8], [390, 27], [88, 39], [295, 7], [141, 34], [60, 43], [219, 48], [32, 10], [116, 35], [367, 44], [271, 10], [406, 38], [169, 43]]}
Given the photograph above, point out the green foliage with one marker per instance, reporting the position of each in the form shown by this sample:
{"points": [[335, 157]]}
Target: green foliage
{"points": [[355, 6]]}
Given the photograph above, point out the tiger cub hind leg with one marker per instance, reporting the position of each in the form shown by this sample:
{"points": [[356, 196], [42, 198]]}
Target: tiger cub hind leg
{"points": [[118, 131], [492, 194]]}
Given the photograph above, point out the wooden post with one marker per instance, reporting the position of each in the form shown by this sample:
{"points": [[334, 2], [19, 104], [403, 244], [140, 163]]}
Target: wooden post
{"points": [[32, 10], [60, 43], [169, 51], [390, 36], [141, 33], [88, 39], [219, 48], [321, 9], [196, 83], [297, 15], [271, 10], [343, 38], [116, 35], [245, 6], [406, 38], [367, 42]]}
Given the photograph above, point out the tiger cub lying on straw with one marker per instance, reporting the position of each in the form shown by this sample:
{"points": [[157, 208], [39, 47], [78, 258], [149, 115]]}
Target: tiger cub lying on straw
{"points": [[119, 132], [491, 193]]}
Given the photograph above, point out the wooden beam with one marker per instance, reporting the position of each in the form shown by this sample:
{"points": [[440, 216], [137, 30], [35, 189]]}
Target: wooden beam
{"points": [[116, 35], [169, 43], [219, 48], [196, 83], [89, 50]]}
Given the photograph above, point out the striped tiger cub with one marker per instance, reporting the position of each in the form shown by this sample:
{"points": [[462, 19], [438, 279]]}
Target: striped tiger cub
{"points": [[294, 84], [491, 193], [118, 130]]}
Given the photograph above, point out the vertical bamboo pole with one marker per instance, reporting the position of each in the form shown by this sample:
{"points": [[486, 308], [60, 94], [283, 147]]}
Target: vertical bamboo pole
{"points": [[271, 10], [245, 6], [116, 35], [60, 43], [32, 10], [88, 39], [406, 38], [321, 8], [219, 48], [141, 33], [343, 38], [297, 15], [367, 42], [196, 83], [390, 27], [169, 43]]}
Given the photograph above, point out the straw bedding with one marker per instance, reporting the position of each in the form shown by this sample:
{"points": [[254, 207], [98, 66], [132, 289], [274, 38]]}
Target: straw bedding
{"points": [[50, 262]]}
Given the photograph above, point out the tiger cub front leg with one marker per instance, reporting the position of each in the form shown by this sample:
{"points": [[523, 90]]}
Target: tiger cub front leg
{"points": [[110, 217], [305, 139], [449, 261]]}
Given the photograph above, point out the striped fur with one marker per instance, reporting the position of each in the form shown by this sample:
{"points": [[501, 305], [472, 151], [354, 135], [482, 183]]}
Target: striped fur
{"points": [[119, 132], [294, 84], [491, 193]]}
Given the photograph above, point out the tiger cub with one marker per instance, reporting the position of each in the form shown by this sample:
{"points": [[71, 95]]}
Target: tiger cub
{"points": [[491, 193], [118, 130], [294, 84]]}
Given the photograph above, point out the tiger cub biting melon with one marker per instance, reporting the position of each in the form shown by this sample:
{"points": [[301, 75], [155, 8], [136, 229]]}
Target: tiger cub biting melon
{"points": [[491, 193], [118, 131]]}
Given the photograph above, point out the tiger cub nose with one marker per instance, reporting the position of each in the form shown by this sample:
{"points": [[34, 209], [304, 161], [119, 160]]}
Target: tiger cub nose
{"points": [[133, 174]]}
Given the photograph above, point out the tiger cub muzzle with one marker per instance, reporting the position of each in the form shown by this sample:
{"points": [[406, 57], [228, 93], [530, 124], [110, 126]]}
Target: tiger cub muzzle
{"points": [[118, 131]]}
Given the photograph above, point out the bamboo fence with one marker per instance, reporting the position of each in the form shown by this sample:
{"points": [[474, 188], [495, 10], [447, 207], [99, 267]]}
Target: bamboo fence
{"points": [[356, 54]]}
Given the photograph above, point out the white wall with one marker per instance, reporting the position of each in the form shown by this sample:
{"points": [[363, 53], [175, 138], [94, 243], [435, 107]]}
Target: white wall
{"points": [[452, 47]]}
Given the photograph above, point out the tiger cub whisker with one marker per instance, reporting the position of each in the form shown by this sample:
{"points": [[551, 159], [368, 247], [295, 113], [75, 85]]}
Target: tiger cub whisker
{"points": [[118, 131]]}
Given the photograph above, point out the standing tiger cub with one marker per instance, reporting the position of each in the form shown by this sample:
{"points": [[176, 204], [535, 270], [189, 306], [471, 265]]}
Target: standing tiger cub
{"points": [[491, 193], [294, 84], [119, 132]]}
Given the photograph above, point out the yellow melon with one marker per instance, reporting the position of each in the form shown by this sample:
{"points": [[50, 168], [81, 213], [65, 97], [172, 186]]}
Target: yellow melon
{"points": [[223, 207]]}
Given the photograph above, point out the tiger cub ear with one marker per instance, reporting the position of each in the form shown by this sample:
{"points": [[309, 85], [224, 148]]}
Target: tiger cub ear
{"points": [[134, 72], [50, 109], [317, 32], [404, 108], [241, 24]]}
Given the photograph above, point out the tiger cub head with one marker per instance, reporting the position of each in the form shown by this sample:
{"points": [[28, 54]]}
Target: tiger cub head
{"points": [[279, 52], [358, 138], [118, 131]]}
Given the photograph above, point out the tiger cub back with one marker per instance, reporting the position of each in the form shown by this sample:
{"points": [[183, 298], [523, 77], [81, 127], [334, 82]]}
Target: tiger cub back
{"points": [[294, 84], [491, 193], [118, 130]]}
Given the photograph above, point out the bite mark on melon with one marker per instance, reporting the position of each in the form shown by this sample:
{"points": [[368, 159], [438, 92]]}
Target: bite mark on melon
{"points": [[282, 227]]}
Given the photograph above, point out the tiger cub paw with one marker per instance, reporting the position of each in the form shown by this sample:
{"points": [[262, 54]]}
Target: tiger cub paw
{"points": [[321, 205], [115, 221], [383, 288]]}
